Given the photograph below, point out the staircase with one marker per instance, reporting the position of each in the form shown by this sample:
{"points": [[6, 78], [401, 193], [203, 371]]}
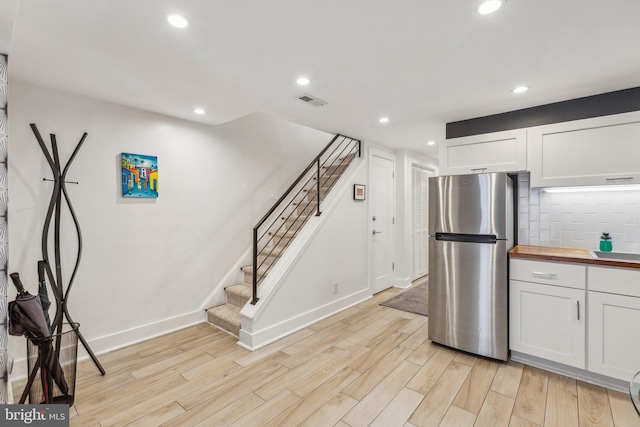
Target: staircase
{"points": [[281, 225]]}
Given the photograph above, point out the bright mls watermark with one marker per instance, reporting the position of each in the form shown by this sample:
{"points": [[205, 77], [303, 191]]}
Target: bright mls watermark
{"points": [[34, 415]]}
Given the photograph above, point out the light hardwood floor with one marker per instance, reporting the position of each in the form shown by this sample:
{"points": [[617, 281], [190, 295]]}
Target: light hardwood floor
{"points": [[367, 366]]}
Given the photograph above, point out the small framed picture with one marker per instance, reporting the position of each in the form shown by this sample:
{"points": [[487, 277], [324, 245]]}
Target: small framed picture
{"points": [[358, 192]]}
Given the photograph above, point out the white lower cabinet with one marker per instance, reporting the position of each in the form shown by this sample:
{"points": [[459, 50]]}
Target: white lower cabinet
{"points": [[548, 322], [548, 317], [614, 316]]}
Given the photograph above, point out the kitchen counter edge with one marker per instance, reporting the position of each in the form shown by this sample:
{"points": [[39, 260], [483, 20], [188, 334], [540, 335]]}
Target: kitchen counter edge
{"points": [[578, 256]]}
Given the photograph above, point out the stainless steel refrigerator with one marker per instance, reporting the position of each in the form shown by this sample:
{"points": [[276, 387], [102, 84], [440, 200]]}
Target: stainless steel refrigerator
{"points": [[470, 234]]}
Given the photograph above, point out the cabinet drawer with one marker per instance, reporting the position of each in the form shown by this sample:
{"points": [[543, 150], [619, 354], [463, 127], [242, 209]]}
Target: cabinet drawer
{"points": [[614, 280], [550, 273]]}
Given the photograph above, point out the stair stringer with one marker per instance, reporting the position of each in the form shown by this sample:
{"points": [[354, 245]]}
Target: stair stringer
{"points": [[266, 321]]}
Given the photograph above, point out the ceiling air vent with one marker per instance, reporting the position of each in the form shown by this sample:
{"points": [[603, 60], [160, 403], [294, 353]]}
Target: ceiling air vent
{"points": [[312, 100]]}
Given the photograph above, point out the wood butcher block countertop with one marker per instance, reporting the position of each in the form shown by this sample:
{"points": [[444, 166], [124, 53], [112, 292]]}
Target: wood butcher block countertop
{"points": [[580, 256]]}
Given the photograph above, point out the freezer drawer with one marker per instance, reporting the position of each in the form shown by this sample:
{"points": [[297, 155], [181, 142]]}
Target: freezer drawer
{"points": [[468, 296], [471, 204]]}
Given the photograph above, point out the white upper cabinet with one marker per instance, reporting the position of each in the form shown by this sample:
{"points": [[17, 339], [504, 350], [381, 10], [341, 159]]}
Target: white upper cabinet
{"points": [[598, 151], [494, 152]]}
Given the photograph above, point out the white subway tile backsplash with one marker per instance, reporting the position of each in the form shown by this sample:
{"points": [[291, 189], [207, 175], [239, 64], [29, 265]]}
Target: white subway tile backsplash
{"points": [[545, 238], [545, 203], [591, 240], [617, 223], [577, 231], [534, 196], [523, 205], [534, 230], [630, 233], [631, 197], [534, 213], [631, 214], [578, 219], [545, 221], [590, 221], [603, 227], [617, 203], [566, 203]]}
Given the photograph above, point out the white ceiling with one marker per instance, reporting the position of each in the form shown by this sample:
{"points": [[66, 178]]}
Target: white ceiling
{"points": [[421, 63]]}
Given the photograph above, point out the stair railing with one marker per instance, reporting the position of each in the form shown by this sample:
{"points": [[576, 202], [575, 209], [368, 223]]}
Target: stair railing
{"points": [[270, 234]]}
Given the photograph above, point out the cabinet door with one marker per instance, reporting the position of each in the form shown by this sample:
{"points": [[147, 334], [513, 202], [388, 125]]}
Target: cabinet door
{"points": [[614, 344], [496, 152], [548, 322], [598, 151]]}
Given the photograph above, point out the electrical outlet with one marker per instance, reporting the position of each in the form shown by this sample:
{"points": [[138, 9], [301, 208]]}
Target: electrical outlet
{"points": [[335, 287]]}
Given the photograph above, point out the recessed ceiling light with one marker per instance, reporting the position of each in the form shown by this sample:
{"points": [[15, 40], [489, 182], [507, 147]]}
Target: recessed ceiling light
{"points": [[178, 21], [521, 89], [199, 111], [431, 142], [303, 81], [384, 120], [489, 6]]}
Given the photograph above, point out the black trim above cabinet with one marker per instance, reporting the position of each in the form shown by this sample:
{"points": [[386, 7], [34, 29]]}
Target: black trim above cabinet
{"points": [[620, 101]]}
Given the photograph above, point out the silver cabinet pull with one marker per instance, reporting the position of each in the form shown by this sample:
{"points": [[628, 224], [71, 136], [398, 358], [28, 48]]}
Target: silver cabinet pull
{"points": [[626, 178], [478, 169], [376, 232], [548, 276], [578, 308]]}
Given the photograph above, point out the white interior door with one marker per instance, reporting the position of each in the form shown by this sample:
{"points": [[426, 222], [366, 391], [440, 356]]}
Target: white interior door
{"points": [[420, 220], [381, 222]]}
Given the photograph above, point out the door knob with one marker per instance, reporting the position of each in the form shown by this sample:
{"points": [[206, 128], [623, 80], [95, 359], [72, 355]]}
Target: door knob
{"points": [[376, 232], [374, 218]]}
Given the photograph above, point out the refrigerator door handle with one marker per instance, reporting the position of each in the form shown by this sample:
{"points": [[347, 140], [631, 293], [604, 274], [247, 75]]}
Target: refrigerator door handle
{"points": [[468, 238]]}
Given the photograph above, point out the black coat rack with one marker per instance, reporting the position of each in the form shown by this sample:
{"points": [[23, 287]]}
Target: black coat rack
{"points": [[60, 291]]}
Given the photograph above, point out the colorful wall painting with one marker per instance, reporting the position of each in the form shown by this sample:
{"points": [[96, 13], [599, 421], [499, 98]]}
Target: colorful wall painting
{"points": [[139, 175]]}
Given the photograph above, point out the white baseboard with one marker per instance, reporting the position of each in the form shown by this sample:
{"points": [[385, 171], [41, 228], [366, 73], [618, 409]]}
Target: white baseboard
{"points": [[402, 283], [571, 372], [255, 340], [124, 338]]}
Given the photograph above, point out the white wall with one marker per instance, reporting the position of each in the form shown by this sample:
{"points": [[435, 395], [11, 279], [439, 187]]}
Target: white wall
{"points": [[577, 220], [147, 264], [404, 251]]}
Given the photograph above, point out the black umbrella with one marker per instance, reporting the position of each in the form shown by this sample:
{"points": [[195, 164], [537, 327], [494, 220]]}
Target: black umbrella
{"points": [[42, 292], [27, 318]]}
